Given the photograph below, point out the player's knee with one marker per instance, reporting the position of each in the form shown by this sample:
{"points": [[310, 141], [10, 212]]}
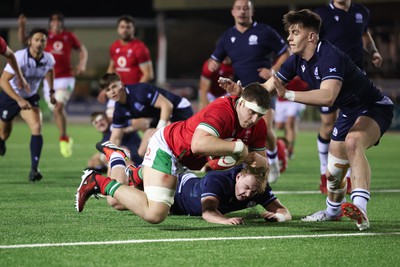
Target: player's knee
{"points": [[352, 142], [155, 218], [161, 199]]}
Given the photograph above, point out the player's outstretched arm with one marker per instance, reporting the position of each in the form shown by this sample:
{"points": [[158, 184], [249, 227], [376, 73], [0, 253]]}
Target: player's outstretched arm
{"points": [[211, 214], [276, 212]]}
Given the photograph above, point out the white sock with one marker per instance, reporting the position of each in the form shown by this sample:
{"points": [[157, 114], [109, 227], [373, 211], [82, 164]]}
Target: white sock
{"points": [[333, 208], [360, 198], [323, 149], [272, 155]]}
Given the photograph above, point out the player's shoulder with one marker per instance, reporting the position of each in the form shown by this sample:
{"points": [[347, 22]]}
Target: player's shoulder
{"points": [[115, 44], [137, 42], [321, 10], [48, 56], [21, 54], [359, 7], [3, 45]]}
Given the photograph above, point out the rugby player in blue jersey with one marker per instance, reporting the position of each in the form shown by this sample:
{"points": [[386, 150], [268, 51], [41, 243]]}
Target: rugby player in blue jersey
{"points": [[365, 113], [142, 100], [255, 49], [221, 192], [345, 25]]}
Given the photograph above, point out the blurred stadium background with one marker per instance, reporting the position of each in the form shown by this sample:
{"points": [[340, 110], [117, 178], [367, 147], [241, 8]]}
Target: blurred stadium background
{"points": [[181, 34]]}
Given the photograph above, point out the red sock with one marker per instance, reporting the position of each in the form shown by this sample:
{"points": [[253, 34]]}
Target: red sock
{"points": [[64, 138], [102, 181]]}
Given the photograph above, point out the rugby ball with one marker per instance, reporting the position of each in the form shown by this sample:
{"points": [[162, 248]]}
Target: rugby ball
{"points": [[221, 163]]}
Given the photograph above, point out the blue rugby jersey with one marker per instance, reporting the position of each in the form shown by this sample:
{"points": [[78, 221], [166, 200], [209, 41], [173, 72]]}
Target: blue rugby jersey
{"points": [[220, 184], [328, 62], [255, 48], [345, 29], [141, 98]]}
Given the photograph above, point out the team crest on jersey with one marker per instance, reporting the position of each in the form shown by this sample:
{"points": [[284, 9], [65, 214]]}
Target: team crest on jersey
{"points": [[303, 68], [233, 39], [336, 18], [246, 135], [138, 106], [316, 74], [253, 39], [335, 131], [359, 18]]}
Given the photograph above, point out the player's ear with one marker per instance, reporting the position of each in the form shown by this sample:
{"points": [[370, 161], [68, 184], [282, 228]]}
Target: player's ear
{"points": [[238, 176], [313, 36]]}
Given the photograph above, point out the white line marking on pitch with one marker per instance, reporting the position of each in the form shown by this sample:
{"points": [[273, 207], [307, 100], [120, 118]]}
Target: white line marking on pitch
{"points": [[141, 241], [319, 192]]}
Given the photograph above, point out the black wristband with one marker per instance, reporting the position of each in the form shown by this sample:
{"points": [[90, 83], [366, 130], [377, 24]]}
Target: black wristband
{"points": [[52, 91]]}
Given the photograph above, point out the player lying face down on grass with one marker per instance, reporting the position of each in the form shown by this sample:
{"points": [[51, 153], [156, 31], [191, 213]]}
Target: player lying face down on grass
{"points": [[184, 143], [221, 192]]}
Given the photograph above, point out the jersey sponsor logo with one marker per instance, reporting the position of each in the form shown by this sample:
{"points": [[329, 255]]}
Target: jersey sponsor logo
{"points": [[251, 204], [253, 40], [57, 47], [359, 18], [148, 151], [233, 39], [121, 61], [332, 69]]}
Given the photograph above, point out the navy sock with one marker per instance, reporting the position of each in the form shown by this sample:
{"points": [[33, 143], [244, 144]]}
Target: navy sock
{"points": [[36, 149]]}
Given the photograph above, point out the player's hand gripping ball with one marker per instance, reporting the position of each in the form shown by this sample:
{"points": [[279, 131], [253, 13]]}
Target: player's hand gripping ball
{"points": [[222, 163]]}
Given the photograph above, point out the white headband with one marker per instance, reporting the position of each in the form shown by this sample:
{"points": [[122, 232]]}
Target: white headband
{"points": [[254, 106]]}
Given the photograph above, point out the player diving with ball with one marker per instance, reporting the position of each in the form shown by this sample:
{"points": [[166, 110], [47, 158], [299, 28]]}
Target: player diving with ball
{"points": [[183, 144]]}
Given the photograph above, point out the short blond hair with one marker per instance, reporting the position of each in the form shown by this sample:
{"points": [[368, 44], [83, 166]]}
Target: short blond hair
{"points": [[260, 174]]}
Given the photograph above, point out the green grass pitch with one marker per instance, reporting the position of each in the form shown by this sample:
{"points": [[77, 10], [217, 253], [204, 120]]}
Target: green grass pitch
{"points": [[40, 227]]}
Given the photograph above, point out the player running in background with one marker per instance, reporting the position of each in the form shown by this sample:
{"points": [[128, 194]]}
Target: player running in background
{"points": [[60, 44], [255, 49], [209, 89], [184, 143], [129, 58], [6, 51], [287, 115], [345, 25], [35, 64]]}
